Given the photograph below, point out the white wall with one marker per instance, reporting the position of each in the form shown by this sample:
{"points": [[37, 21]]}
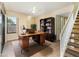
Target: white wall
{"points": [[22, 19], [60, 22]]}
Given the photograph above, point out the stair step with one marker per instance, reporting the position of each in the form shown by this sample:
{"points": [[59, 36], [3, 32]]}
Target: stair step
{"points": [[76, 26], [74, 41], [75, 38], [75, 32], [78, 13], [77, 16], [73, 44], [68, 55], [73, 51], [77, 20]]}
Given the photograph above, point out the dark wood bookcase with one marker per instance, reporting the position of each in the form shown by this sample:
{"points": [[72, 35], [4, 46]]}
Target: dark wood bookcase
{"points": [[48, 25]]}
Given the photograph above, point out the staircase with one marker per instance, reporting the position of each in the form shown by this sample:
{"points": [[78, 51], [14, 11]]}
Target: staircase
{"points": [[73, 45]]}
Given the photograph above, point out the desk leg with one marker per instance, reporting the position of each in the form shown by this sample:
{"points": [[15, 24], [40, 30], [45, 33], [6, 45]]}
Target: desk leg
{"points": [[42, 39], [25, 42]]}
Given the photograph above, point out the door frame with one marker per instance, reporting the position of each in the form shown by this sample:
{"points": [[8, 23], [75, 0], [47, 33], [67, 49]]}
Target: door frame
{"points": [[3, 32]]}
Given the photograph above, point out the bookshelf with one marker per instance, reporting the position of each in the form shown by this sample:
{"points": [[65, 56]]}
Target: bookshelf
{"points": [[48, 25]]}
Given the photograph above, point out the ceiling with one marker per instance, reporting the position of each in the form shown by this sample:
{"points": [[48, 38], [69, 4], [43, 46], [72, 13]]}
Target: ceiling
{"points": [[65, 14], [35, 8]]}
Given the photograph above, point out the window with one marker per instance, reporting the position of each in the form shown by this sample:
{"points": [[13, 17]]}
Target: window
{"points": [[11, 24]]}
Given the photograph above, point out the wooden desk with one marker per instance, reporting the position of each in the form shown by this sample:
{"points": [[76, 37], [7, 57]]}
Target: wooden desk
{"points": [[24, 39]]}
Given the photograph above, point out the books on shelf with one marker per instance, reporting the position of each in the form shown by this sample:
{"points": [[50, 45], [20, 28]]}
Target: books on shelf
{"points": [[48, 25]]}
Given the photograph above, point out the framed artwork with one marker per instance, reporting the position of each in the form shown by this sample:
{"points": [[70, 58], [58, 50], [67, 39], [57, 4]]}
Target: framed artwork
{"points": [[11, 24]]}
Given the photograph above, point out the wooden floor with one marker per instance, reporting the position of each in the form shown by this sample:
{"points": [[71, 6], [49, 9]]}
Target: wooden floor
{"points": [[51, 49]]}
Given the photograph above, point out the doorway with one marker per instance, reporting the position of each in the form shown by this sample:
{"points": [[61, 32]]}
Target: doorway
{"points": [[2, 31]]}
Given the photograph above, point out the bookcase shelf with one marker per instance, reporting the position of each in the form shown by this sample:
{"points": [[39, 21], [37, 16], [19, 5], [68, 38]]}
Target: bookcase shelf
{"points": [[48, 25]]}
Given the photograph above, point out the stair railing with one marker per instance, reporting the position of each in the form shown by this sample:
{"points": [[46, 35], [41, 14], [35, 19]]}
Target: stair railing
{"points": [[67, 29]]}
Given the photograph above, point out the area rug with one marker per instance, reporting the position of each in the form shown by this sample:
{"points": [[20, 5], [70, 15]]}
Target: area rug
{"points": [[33, 49]]}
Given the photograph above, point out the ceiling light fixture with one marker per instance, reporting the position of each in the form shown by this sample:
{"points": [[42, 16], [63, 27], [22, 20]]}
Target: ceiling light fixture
{"points": [[34, 10]]}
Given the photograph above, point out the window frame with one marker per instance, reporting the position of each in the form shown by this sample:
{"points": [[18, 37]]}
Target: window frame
{"points": [[7, 25]]}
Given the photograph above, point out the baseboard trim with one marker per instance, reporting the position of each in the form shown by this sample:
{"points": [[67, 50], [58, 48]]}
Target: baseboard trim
{"points": [[11, 40]]}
